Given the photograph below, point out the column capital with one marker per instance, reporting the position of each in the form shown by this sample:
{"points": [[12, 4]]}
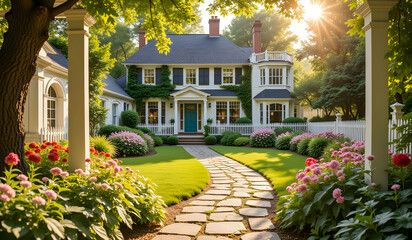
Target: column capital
{"points": [[375, 10], [80, 14]]}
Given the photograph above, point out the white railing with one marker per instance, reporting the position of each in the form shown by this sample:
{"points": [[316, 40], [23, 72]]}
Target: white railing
{"points": [[393, 134], [247, 129], [163, 129], [54, 134], [271, 56]]}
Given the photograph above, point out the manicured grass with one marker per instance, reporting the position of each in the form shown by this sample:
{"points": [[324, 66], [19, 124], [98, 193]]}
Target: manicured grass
{"points": [[280, 167], [177, 174]]}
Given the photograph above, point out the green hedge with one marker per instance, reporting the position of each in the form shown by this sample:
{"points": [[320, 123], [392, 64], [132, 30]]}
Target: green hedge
{"points": [[303, 146], [316, 146], [210, 140], [242, 141], [229, 138], [293, 120], [129, 118], [172, 140], [283, 143], [243, 120]]}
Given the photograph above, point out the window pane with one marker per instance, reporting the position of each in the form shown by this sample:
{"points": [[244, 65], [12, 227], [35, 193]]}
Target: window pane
{"points": [[221, 112], [262, 76], [163, 112], [261, 113], [234, 111], [228, 76], [190, 76], [142, 113], [149, 77], [153, 112], [275, 113]]}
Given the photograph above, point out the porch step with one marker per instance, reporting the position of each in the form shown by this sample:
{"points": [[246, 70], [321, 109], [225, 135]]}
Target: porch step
{"points": [[191, 139]]}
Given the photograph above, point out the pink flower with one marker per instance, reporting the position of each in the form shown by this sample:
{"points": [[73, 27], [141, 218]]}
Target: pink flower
{"points": [[39, 200], [25, 184], [112, 163], [340, 200], [395, 187], [127, 168], [334, 164], [289, 188], [116, 169], [12, 159], [45, 179], [371, 157], [337, 192], [326, 178], [341, 178], [78, 171], [119, 185], [339, 173], [64, 174], [50, 194], [373, 184], [22, 177], [83, 174], [314, 179], [4, 197], [306, 179], [105, 186], [317, 171], [302, 188], [56, 171], [93, 179]]}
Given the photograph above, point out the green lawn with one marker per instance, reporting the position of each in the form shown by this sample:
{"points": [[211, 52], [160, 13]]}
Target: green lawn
{"points": [[278, 166], [177, 174]]}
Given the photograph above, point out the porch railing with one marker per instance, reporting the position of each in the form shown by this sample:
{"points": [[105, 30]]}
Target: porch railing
{"points": [[164, 129], [54, 134], [271, 56], [247, 129]]}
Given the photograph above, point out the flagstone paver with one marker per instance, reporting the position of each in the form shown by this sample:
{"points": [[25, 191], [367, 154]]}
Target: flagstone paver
{"points": [[222, 209]]}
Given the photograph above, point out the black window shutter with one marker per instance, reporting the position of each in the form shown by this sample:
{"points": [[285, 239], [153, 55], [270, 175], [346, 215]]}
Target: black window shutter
{"points": [[203, 76], [139, 75], [178, 76], [238, 73], [158, 71], [218, 76]]}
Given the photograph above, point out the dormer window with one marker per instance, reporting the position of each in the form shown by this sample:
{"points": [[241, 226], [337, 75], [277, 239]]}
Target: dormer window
{"points": [[149, 76], [228, 76], [190, 76], [275, 76]]}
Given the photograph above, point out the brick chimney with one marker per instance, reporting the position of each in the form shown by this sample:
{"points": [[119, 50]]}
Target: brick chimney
{"points": [[142, 39], [257, 36], [214, 26]]}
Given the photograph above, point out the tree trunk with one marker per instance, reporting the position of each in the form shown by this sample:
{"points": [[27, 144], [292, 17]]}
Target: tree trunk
{"points": [[398, 98], [28, 30]]}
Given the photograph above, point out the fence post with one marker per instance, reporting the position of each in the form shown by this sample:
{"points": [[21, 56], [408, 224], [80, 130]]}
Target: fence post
{"points": [[338, 121], [396, 119]]}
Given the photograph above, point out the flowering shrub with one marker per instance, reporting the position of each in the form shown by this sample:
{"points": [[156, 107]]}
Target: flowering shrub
{"points": [[283, 141], [316, 146], [50, 203], [128, 143], [263, 138], [294, 142]]}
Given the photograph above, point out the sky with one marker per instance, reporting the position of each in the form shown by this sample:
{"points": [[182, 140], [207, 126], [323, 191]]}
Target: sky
{"points": [[297, 28]]}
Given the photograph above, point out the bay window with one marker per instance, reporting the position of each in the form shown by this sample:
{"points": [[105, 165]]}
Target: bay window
{"points": [[275, 112], [275, 76]]}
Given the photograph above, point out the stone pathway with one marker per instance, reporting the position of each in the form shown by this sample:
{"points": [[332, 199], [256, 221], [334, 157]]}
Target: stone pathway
{"points": [[237, 204]]}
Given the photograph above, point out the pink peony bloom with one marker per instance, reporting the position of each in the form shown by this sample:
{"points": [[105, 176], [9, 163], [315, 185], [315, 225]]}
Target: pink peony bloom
{"points": [[127, 168], [341, 178], [326, 178], [116, 169], [289, 188], [371, 157], [22, 177], [56, 171], [26, 184], [39, 200], [337, 192], [112, 163], [395, 187], [64, 174], [50, 194], [45, 179], [339, 173], [306, 179], [340, 200], [12, 159], [302, 188], [93, 179], [4, 197], [314, 179], [334, 164], [373, 184], [293, 185], [317, 171], [78, 171], [105, 186], [83, 174], [119, 185]]}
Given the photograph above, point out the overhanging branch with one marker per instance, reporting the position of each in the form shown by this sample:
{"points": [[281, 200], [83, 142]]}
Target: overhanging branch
{"points": [[63, 7]]}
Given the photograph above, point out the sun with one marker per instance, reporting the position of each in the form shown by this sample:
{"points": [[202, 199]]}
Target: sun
{"points": [[312, 11]]}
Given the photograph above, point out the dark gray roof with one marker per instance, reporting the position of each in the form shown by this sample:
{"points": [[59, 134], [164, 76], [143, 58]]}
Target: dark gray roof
{"points": [[193, 48], [274, 93], [121, 81], [59, 58], [216, 92], [112, 85]]}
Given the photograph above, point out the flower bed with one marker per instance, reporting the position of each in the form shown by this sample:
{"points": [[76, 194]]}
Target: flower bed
{"points": [[128, 143], [263, 138], [50, 203]]}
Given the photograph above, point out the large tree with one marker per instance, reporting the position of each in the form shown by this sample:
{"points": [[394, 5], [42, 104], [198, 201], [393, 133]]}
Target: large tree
{"points": [[27, 24], [276, 35]]}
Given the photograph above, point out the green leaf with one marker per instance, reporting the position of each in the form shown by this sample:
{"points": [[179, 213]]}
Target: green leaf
{"points": [[383, 218], [99, 229], [75, 209], [397, 237], [38, 233], [118, 235], [125, 217], [336, 210], [54, 226], [358, 233], [307, 208], [68, 224]]}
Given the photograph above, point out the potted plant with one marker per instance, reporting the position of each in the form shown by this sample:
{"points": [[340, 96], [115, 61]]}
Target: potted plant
{"points": [[209, 121], [172, 121]]}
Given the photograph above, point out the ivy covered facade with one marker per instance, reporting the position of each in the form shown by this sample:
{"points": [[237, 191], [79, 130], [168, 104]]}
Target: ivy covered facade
{"points": [[207, 77]]}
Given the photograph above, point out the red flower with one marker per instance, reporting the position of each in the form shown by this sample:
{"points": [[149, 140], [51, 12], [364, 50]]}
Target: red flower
{"points": [[95, 153], [12, 159], [44, 141], [37, 150], [53, 150], [310, 161], [53, 156], [101, 153], [43, 146], [108, 155], [66, 150], [48, 143], [91, 149], [401, 160], [32, 145], [64, 159], [54, 143], [27, 153], [34, 158]]}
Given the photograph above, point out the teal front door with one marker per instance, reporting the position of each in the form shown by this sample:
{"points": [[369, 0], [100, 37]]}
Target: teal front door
{"points": [[190, 117]]}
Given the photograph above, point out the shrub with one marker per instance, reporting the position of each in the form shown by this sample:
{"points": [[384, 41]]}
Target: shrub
{"points": [[293, 120], [207, 130], [280, 130], [128, 143], [102, 144], [106, 130], [296, 140], [164, 138], [243, 120], [219, 138], [229, 138], [158, 141], [316, 146], [129, 118], [322, 119], [303, 145], [210, 140], [242, 141], [144, 130], [263, 138], [283, 141], [80, 205], [172, 140]]}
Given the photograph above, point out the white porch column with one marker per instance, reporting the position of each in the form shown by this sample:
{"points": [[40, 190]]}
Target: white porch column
{"points": [[265, 117], [78, 31], [204, 112], [146, 112], [159, 113], [375, 13], [177, 120]]}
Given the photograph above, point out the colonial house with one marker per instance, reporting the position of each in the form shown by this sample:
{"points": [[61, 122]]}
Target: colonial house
{"points": [[46, 110], [200, 65]]}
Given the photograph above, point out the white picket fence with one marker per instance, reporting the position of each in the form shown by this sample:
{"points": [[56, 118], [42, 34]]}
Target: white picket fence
{"points": [[247, 128], [54, 134], [164, 129]]}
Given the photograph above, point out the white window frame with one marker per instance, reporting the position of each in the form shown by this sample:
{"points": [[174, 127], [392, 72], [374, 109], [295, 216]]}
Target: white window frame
{"points": [[262, 76], [287, 75], [154, 76], [115, 114], [268, 111], [228, 107], [233, 76], [277, 74], [196, 77], [51, 100]]}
